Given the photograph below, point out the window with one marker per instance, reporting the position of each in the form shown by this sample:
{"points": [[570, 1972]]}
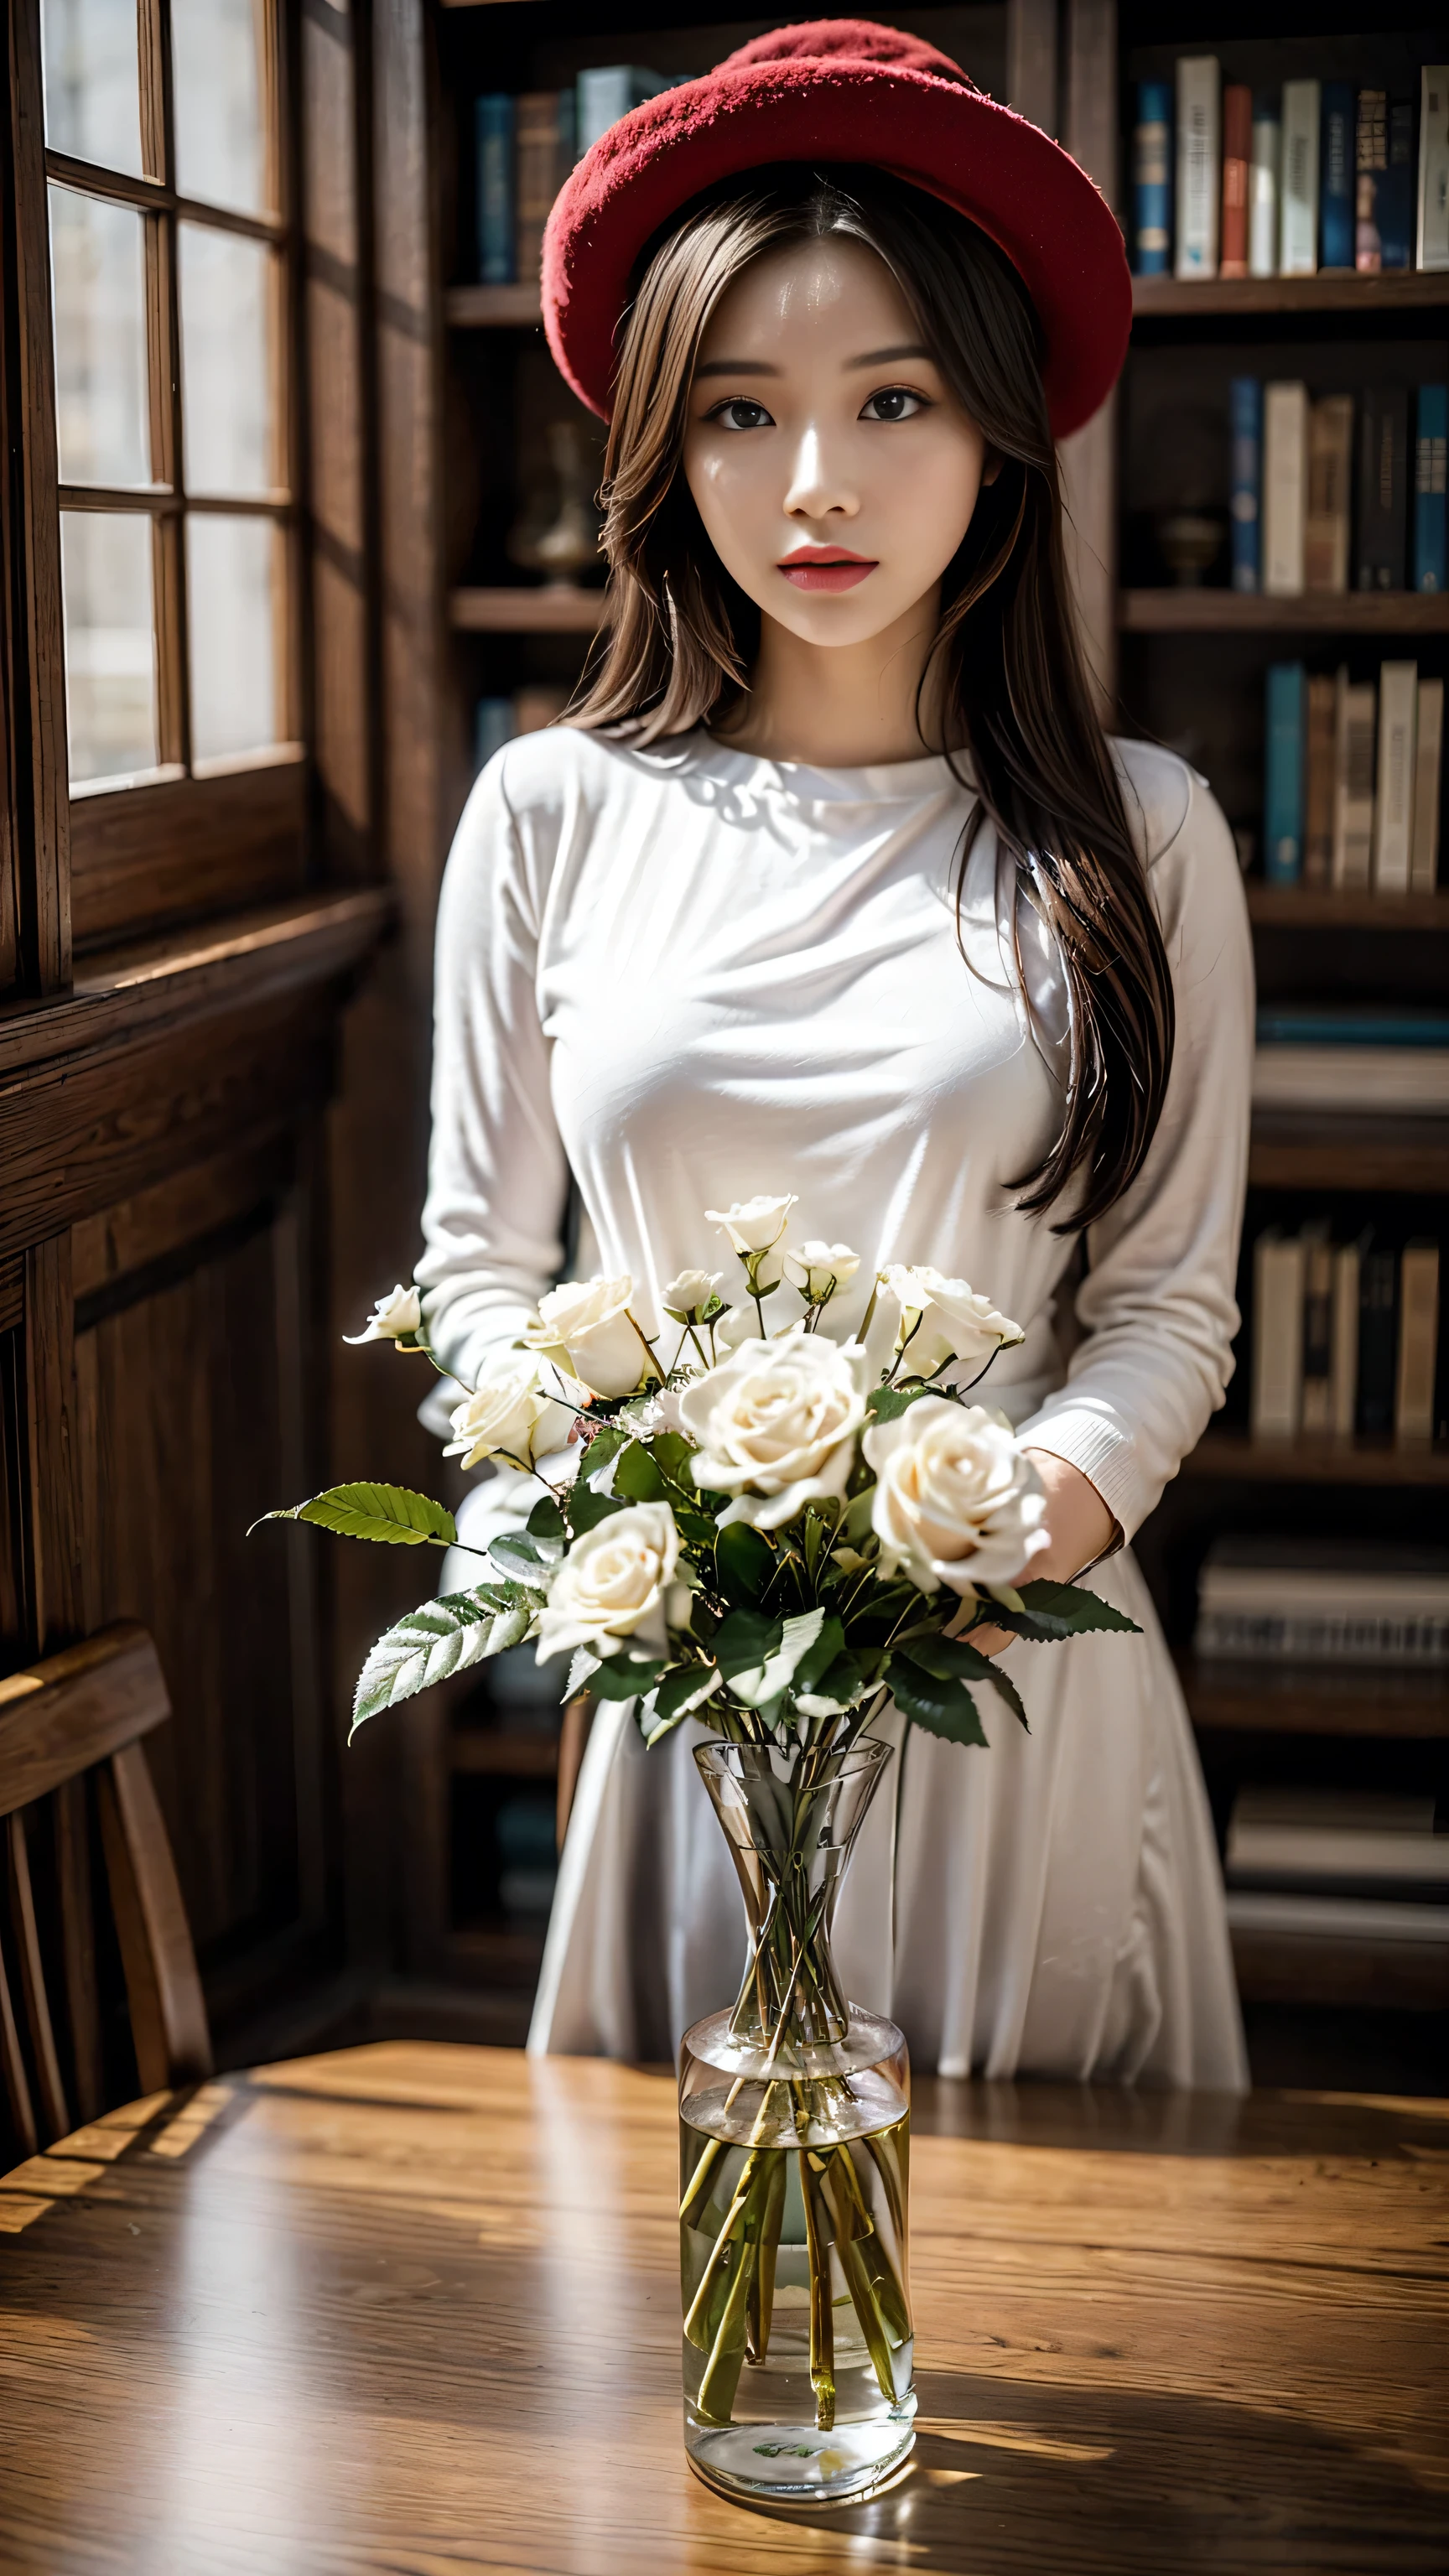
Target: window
{"points": [[169, 264]]}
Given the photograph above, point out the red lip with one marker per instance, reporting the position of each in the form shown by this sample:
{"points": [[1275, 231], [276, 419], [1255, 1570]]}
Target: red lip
{"points": [[825, 567]]}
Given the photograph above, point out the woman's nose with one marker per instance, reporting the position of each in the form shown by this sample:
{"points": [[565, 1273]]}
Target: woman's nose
{"points": [[819, 488]]}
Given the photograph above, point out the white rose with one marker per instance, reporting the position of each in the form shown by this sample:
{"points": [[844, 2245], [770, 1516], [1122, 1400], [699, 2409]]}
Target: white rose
{"points": [[509, 1415], [734, 1326], [944, 1319], [754, 1224], [612, 1584], [818, 1270], [957, 1501], [592, 1323], [686, 1296], [393, 1319], [777, 1420]]}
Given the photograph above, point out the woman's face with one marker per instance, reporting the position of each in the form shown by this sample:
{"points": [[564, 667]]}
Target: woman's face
{"points": [[834, 471]]}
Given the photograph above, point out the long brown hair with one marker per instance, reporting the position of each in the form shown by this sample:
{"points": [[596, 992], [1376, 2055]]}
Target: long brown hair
{"points": [[682, 634]]}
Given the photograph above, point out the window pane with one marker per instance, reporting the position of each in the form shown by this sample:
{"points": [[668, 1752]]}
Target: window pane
{"points": [[110, 652], [227, 371], [219, 62], [234, 591], [98, 261], [92, 88]]}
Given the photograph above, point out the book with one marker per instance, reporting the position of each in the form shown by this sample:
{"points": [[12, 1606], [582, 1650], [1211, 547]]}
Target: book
{"points": [[1355, 707], [1336, 176], [1343, 1360], [1316, 1408], [1263, 188], [1371, 161], [1365, 1601], [1285, 726], [493, 126], [1382, 493], [543, 150], [1414, 1081], [1428, 772], [1330, 474], [1349, 1836], [1151, 183], [1276, 1392], [1360, 1919], [1351, 1024], [493, 726], [1245, 426], [1285, 492], [1395, 189], [1378, 1338], [1237, 162], [1318, 783], [1431, 248], [1198, 121], [1431, 439], [609, 91], [1298, 203], [1394, 794], [1418, 1341]]}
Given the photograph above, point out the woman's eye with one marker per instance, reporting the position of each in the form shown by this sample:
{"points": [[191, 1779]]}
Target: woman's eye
{"points": [[740, 413], [893, 403]]}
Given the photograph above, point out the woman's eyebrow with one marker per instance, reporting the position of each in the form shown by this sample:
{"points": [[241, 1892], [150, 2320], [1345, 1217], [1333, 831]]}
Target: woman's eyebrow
{"points": [[735, 367], [889, 357]]}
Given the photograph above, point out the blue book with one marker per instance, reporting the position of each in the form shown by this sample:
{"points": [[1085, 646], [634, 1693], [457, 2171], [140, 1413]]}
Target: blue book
{"points": [[1283, 786], [1151, 178], [493, 115], [1336, 176], [1314, 1024], [1245, 425], [612, 90], [1431, 442], [493, 726]]}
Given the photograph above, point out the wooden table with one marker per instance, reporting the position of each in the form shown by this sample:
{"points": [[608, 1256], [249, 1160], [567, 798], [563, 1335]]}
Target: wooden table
{"points": [[414, 2309]]}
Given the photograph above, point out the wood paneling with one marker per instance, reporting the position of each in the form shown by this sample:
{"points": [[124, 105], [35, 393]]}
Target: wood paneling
{"points": [[189, 847]]}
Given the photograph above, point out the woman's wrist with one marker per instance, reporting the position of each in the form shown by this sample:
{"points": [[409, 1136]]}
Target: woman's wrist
{"points": [[1081, 1528]]}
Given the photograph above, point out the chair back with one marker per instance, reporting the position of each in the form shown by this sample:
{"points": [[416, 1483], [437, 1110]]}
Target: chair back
{"points": [[71, 1760]]}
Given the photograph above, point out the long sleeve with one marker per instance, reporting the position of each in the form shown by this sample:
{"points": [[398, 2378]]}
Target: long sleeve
{"points": [[497, 1174], [1158, 1304]]}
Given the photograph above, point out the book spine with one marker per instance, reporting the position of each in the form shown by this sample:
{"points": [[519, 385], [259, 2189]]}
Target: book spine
{"points": [[1383, 440], [1317, 1329], [1431, 444], [1263, 189], [538, 175], [1237, 163], [1418, 1341], [1396, 189], [1371, 160], [1432, 231], [1318, 799], [493, 726], [1197, 165], [1245, 421], [1298, 219], [1283, 787], [494, 128], [1378, 1334], [1285, 465], [1353, 782], [1394, 800], [1336, 176], [1428, 774], [1330, 473], [1343, 1363], [1151, 178], [1277, 1335], [601, 97]]}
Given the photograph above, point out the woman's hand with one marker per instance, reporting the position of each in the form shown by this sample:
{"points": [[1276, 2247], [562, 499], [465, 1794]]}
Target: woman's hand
{"points": [[1080, 1527]]}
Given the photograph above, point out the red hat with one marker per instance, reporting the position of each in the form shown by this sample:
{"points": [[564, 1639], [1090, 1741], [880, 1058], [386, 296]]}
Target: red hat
{"points": [[842, 90]]}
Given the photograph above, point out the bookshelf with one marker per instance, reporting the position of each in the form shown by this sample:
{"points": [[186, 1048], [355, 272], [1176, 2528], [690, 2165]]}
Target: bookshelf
{"points": [[1311, 613]]}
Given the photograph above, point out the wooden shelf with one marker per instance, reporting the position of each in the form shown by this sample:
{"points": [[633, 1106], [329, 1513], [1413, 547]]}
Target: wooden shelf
{"points": [[1395, 290], [1301, 907], [559, 611], [1316, 1461], [492, 308], [1267, 1697], [1334, 1149], [513, 1753], [1189, 611], [1372, 1973]]}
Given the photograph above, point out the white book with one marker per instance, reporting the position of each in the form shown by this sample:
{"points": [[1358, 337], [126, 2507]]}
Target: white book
{"points": [[1277, 1389], [1285, 487], [1414, 1079], [1263, 197], [1355, 708], [1326, 1851], [1433, 242], [1298, 204], [1199, 176], [1394, 799], [1428, 759]]}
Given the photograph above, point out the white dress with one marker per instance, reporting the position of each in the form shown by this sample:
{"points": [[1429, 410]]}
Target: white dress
{"points": [[690, 975]]}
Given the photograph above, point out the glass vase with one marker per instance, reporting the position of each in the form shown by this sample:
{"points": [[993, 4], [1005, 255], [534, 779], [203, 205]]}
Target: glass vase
{"points": [[794, 2124]]}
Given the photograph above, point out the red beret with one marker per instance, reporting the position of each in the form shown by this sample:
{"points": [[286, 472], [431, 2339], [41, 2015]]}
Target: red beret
{"points": [[842, 90]]}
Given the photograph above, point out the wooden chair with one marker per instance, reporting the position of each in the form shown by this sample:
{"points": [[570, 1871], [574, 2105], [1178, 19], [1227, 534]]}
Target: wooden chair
{"points": [[76, 1714]]}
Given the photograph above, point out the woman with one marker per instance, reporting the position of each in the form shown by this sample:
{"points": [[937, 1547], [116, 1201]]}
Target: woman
{"points": [[833, 885]]}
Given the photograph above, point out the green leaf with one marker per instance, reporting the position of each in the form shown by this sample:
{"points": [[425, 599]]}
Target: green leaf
{"points": [[888, 1401], [838, 1687], [856, 1524], [636, 1477], [743, 1645], [546, 1520], [682, 1690], [391, 1513], [620, 1678], [745, 1562], [951, 1658], [436, 1639], [1056, 1610], [942, 1707], [672, 1453], [828, 1643], [604, 1445], [522, 1557], [587, 1508]]}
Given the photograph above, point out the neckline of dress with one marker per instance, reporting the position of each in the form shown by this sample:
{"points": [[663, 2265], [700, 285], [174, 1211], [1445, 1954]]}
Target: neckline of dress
{"points": [[881, 782]]}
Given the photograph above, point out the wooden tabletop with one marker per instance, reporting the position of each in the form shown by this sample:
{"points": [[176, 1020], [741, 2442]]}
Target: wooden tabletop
{"points": [[415, 2309]]}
